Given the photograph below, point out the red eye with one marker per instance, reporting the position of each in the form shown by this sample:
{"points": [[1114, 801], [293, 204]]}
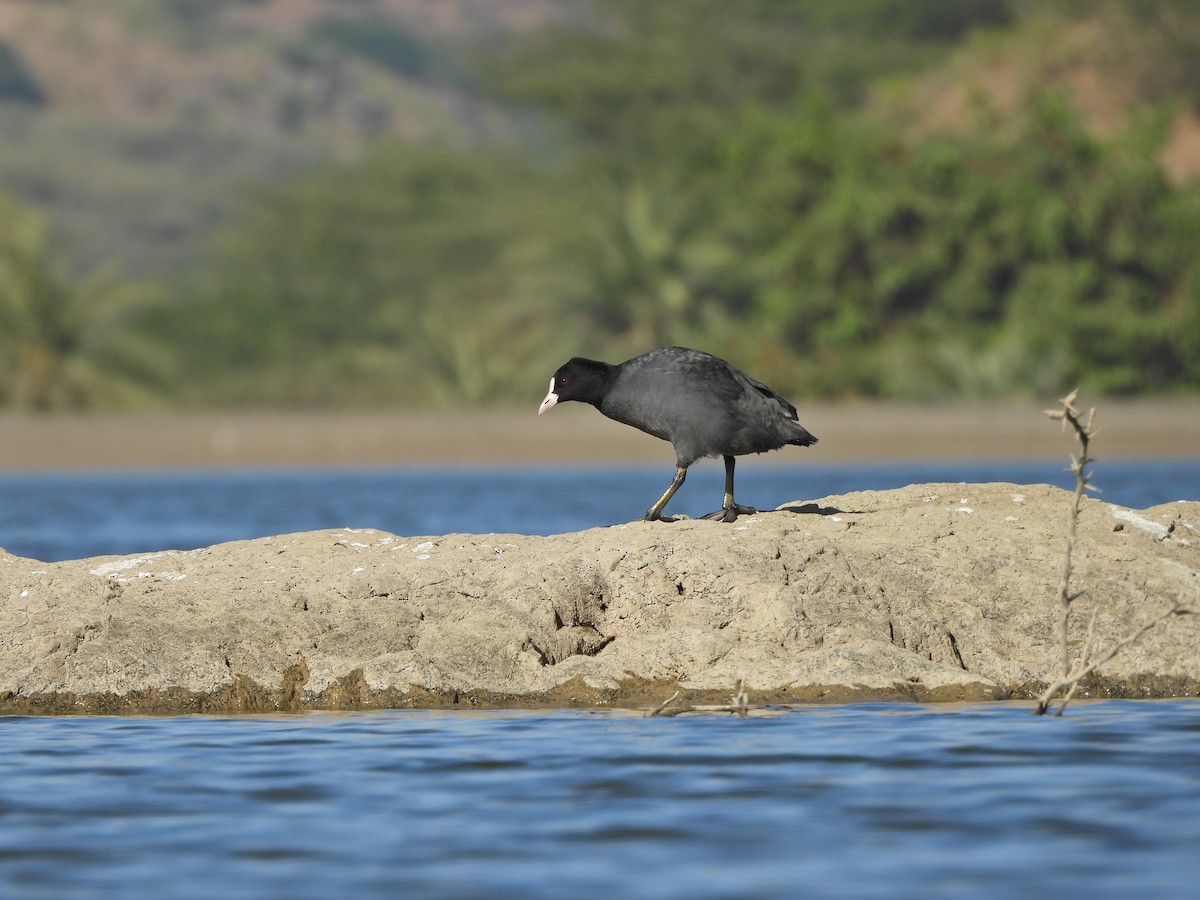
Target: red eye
{"points": [[562, 380]]}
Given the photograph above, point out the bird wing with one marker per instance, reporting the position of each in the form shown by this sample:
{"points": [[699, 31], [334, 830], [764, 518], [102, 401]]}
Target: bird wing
{"points": [[773, 395]]}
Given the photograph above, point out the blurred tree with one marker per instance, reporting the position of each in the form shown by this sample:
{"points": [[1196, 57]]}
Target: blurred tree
{"points": [[982, 265], [673, 114], [409, 277], [380, 40], [67, 344], [706, 173], [646, 259], [17, 82]]}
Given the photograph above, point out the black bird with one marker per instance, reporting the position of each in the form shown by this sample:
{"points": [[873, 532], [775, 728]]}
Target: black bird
{"points": [[697, 401]]}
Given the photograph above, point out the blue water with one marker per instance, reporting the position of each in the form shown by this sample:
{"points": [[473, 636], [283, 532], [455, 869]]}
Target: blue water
{"points": [[856, 801], [70, 516], [877, 800]]}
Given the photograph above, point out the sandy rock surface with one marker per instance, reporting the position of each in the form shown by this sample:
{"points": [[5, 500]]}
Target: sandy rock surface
{"points": [[931, 592]]}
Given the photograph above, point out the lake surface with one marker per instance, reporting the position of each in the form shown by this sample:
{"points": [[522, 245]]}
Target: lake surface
{"points": [[71, 516], [872, 800], [854, 801]]}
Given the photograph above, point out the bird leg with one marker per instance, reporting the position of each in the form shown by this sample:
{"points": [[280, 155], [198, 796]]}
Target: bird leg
{"points": [[729, 510], [655, 512]]}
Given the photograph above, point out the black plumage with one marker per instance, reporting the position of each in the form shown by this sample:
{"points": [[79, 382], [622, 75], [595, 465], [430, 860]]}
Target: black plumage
{"points": [[700, 403]]}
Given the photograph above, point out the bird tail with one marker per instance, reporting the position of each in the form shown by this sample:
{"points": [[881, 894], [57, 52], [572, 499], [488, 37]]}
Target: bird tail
{"points": [[801, 436]]}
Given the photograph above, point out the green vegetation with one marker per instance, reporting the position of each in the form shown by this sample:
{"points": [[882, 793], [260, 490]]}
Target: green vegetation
{"points": [[406, 277], [378, 40], [17, 84], [914, 199], [67, 344], [983, 265]]}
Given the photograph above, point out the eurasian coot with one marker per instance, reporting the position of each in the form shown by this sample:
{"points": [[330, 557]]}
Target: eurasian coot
{"points": [[697, 401]]}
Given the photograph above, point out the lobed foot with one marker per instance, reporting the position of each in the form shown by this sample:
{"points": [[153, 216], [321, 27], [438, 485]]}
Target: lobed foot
{"points": [[730, 513], [657, 517]]}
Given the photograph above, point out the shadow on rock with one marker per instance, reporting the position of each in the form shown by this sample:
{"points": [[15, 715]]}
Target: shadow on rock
{"points": [[814, 509]]}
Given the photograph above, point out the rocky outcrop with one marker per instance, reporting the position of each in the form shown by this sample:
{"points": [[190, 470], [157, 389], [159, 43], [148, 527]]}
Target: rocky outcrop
{"points": [[931, 592]]}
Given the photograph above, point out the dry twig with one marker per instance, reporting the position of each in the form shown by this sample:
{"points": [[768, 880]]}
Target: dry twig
{"points": [[1070, 675], [739, 704], [660, 710]]}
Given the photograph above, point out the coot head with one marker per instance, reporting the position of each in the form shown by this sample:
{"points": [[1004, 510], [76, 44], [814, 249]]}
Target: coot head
{"points": [[581, 379]]}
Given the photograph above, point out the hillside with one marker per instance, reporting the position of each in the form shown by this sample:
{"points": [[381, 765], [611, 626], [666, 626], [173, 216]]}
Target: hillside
{"points": [[137, 125], [265, 203], [1112, 67]]}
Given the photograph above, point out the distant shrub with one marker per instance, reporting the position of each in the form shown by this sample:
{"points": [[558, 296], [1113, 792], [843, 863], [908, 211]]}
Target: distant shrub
{"points": [[17, 83], [379, 41]]}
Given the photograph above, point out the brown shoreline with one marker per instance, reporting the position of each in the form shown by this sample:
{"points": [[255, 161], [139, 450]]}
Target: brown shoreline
{"points": [[849, 432]]}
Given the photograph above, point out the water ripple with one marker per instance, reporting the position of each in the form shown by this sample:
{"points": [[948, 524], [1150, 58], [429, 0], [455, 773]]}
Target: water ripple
{"points": [[873, 800]]}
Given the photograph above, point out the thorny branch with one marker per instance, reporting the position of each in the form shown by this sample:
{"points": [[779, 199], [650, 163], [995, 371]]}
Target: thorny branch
{"points": [[1069, 677]]}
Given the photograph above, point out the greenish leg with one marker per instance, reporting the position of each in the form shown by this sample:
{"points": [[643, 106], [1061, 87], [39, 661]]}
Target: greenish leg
{"points": [[655, 512], [727, 502], [729, 510]]}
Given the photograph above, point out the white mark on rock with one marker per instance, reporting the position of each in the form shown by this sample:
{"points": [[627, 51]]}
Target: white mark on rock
{"points": [[965, 509], [120, 565], [1018, 498], [1128, 515]]}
